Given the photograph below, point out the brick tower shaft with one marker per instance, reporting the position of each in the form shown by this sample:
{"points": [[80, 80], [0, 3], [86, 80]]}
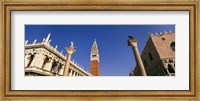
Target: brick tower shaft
{"points": [[94, 60]]}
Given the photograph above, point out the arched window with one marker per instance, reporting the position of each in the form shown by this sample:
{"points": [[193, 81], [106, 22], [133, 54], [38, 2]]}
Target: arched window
{"points": [[150, 57], [170, 68], [172, 45]]}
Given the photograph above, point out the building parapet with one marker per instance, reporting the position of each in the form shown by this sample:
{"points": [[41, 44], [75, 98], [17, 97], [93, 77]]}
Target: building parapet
{"points": [[161, 33]]}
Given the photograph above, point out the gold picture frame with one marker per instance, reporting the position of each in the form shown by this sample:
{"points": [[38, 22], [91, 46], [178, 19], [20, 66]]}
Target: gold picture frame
{"points": [[115, 5]]}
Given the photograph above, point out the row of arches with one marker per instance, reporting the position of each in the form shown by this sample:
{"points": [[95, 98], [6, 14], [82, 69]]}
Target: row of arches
{"points": [[164, 69]]}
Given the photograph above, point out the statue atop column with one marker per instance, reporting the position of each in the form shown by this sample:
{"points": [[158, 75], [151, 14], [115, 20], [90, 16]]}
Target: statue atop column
{"points": [[72, 43]]}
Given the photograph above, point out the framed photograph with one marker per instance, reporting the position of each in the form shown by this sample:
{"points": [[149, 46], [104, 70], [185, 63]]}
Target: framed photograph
{"points": [[99, 49]]}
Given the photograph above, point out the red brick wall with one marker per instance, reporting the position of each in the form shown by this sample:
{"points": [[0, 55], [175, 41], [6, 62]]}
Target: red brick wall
{"points": [[94, 67]]}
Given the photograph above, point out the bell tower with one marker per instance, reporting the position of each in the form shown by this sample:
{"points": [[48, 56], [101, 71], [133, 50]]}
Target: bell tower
{"points": [[94, 60]]}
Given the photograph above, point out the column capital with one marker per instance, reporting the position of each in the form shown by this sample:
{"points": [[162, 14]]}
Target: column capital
{"points": [[70, 50], [132, 42]]}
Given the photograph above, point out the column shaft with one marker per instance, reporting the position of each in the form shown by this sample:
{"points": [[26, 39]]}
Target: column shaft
{"points": [[139, 60], [168, 72], [26, 60], [66, 73], [42, 59], [61, 70], [35, 59], [48, 65]]}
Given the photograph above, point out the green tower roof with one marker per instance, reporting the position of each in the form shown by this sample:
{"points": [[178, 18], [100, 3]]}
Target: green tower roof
{"points": [[94, 44]]}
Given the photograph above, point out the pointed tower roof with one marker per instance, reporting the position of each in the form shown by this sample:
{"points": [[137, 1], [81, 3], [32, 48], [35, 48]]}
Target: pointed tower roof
{"points": [[94, 44]]}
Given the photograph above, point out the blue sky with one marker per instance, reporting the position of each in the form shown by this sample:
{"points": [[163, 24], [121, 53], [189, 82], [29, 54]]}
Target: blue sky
{"points": [[116, 58]]}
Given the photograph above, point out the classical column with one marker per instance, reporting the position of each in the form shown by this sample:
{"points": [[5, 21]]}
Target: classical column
{"points": [[166, 69], [38, 58], [42, 59], [168, 72], [26, 60], [61, 70], [133, 43], [70, 50], [74, 73], [48, 65], [35, 59], [71, 72]]}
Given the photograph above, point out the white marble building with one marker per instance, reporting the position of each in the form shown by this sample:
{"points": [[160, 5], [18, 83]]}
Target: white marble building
{"points": [[41, 59]]}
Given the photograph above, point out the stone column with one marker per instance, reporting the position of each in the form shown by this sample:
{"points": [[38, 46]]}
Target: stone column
{"points": [[71, 72], [133, 43], [48, 65], [74, 73], [42, 59], [35, 59], [70, 50], [61, 70], [166, 69], [38, 60], [168, 72], [26, 60]]}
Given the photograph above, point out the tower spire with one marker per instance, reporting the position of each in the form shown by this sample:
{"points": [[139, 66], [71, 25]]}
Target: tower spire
{"points": [[94, 44]]}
